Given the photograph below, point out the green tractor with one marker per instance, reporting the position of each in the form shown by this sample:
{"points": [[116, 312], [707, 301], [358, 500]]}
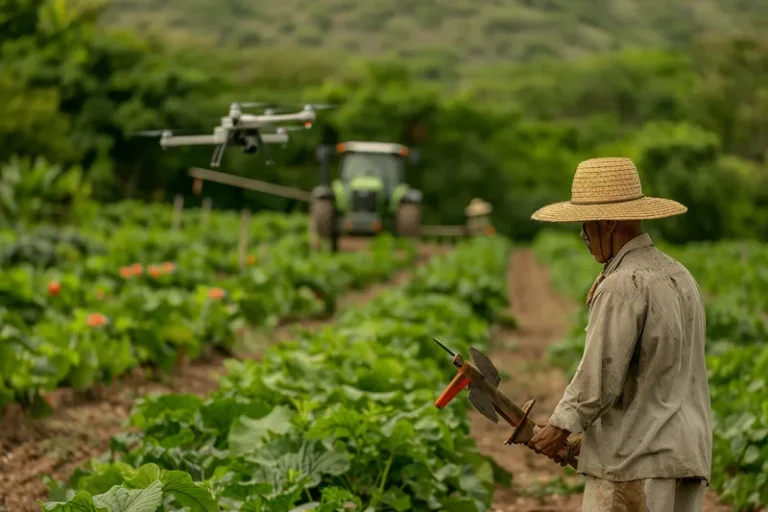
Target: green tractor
{"points": [[369, 196]]}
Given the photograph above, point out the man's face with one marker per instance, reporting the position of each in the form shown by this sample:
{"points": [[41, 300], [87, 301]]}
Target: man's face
{"points": [[596, 232]]}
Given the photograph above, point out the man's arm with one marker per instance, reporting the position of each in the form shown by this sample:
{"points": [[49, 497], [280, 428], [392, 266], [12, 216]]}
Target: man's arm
{"points": [[612, 332]]}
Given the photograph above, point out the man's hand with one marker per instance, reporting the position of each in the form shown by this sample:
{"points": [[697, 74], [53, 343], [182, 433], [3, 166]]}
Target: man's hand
{"points": [[548, 441]]}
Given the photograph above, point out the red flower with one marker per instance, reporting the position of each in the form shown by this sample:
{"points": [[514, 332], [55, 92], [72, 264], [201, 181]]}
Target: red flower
{"points": [[54, 288], [216, 293], [96, 320]]}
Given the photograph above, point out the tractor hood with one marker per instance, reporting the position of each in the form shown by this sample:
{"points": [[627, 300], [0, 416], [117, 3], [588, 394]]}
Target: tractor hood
{"points": [[366, 183]]}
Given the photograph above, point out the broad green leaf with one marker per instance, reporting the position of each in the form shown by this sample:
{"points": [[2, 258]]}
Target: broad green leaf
{"points": [[187, 492], [248, 434], [102, 478], [144, 477], [221, 413], [397, 499], [82, 502], [752, 454], [120, 499]]}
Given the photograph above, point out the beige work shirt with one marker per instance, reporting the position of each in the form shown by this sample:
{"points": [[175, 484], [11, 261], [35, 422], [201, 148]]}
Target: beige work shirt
{"points": [[641, 394]]}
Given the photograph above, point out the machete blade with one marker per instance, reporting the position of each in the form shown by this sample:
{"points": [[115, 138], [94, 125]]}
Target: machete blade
{"points": [[485, 366], [482, 403]]}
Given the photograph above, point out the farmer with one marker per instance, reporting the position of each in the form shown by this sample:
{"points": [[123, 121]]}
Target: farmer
{"points": [[640, 395]]}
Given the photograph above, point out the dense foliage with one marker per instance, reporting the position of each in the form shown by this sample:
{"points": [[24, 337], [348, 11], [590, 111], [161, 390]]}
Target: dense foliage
{"points": [[83, 306], [449, 33], [734, 279], [73, 89], [343, 416]]}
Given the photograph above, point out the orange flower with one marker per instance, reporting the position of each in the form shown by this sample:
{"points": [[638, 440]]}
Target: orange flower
{"points": [[168, 267], [251, 259], [490, 230], [96, 320], [154, 271], [137, 269], [100, 294], [126, 272], [215, 293], [54, 288]]}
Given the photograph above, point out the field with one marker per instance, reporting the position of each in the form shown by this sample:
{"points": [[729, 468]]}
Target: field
{"points": [[155, 358], [146, 370]]}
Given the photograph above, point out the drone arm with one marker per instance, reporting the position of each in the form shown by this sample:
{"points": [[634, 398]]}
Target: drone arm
{"points": [[253, 121], [189, 140]]}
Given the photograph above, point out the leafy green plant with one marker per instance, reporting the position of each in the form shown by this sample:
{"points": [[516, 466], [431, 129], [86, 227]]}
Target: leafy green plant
{"points": [[126, 291], [343, 416], [34, 190]]}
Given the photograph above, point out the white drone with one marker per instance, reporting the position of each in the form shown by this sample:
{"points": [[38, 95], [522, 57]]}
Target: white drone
{"points": [[243, 130]]}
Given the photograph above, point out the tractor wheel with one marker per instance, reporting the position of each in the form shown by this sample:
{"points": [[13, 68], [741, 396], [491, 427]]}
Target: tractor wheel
{"points": [[408, 220], [323, 217]]}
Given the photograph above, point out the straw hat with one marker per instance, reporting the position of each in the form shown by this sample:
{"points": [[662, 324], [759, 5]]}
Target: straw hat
{"points": [[478, 207], [608, 189]]}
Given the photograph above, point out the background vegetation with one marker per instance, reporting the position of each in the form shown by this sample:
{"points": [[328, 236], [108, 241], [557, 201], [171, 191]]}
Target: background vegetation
{"points": [[683, 91], [455, 31]]}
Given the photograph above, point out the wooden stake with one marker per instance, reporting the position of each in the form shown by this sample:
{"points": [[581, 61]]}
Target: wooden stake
{"points": [[205, 213], [178, 205], [245, 222]]}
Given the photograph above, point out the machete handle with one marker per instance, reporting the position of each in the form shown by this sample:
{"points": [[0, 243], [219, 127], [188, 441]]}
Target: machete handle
{"points": [[459, 382]]}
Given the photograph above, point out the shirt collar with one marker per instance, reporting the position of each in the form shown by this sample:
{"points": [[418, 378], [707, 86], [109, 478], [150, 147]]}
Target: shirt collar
{"points": [[639, 242]]}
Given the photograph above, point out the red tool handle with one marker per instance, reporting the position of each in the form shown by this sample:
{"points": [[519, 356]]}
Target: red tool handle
{"points": [[459, 382]]}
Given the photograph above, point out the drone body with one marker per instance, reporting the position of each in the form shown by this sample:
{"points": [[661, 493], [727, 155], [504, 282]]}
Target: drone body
{"points": [[244, 130]]}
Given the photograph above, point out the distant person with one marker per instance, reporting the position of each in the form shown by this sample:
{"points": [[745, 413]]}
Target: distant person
{"points": [[640, 395]]}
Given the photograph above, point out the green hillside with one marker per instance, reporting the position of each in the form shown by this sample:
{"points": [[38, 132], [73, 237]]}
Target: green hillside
{"points": [[471, 30]]}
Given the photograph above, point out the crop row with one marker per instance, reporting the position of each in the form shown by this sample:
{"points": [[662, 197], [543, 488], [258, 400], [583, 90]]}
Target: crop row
{"points": [[108, 297], [733, 277], [342, 417]]}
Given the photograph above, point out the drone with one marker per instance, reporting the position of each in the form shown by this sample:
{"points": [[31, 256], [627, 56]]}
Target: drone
{"points": [[244, 130]]}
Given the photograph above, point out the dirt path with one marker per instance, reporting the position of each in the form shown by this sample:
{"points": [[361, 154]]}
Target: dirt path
{"points": [[544, 318], [80, 428]]}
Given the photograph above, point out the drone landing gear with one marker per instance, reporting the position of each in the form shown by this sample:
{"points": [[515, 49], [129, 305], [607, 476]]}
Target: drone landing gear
{"points": [[218, 153]]}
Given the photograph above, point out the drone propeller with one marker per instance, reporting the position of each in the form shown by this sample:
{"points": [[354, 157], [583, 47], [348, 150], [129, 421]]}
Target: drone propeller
{"points": [[274, 109], [293, 128], [270, 111], [253, 104], [323, 106], [149, 133]]}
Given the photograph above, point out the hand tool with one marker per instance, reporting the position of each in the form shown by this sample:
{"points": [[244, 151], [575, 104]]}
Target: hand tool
{"points": [[483, 381]]}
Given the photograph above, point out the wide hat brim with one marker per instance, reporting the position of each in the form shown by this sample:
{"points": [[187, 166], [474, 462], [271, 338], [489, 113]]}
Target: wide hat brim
{"points": [[637, 209]]}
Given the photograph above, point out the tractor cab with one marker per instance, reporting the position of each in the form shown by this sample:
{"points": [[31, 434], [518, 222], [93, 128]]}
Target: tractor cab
{"points": [[387, 169], [370, 194]]}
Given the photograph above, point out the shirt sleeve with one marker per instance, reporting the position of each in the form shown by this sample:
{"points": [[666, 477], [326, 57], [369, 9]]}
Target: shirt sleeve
{"points": [[612, 332]]}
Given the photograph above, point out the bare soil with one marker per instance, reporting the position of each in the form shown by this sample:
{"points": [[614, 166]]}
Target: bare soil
{"points": [[543, 318], [82, 424]]}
